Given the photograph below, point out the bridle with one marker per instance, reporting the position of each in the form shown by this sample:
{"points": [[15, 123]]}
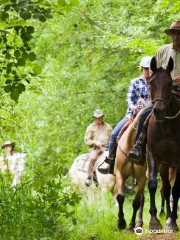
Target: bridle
{"points": [[167, 103], [163, 100]]}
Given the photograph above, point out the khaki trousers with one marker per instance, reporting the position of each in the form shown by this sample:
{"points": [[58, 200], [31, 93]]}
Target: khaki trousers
{"points": [[93, 158]]}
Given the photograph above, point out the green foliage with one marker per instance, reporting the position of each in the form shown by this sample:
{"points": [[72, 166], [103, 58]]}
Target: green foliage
{"points": [[35, 208], [16, 44], [82, 58]]}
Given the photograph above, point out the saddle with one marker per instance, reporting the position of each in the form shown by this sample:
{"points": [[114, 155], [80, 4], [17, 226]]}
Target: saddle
{"points": [[126, 125], [123, 129], [82, 162]]}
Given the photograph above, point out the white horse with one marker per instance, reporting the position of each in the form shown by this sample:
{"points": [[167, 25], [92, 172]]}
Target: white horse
{"points": [[79, 172]]}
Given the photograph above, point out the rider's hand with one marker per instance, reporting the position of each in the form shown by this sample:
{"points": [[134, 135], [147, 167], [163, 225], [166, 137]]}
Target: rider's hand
{"points": [[134, 108], [100, 144], [177, 80]]}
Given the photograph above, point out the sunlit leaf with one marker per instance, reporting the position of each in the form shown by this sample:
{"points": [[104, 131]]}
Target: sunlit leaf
{"points": [[37, 69]]}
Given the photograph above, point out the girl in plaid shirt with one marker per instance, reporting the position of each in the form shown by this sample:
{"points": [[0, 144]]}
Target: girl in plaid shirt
{"points": [[138, 88]]}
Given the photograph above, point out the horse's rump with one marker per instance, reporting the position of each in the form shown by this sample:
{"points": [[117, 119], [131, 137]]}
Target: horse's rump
{"points": [[79, 172], [82, 162]]}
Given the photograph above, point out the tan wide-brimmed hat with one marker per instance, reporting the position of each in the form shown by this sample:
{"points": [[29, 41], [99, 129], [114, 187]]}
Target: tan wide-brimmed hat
{"points": [[7, 143], [98, 113], [175, 26]]}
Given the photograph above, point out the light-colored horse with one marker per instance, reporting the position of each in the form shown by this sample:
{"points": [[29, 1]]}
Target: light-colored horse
{"points": [[125, 169], [78, 174]]}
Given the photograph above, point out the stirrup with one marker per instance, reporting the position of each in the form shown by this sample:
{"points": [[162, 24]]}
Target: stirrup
{"points": [[108, 160], [138, 145], [106, 169], [141, 161]]}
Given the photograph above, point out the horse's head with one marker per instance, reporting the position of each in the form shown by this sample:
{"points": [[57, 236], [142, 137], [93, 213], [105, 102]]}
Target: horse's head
{"points": [[161, 85]]}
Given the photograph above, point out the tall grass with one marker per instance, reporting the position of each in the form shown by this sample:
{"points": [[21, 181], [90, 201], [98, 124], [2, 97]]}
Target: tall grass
{"points": [[97, 217]]}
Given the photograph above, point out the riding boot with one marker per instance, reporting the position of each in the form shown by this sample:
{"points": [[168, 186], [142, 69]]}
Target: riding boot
{"points": [[138, 152], [108, 165]]}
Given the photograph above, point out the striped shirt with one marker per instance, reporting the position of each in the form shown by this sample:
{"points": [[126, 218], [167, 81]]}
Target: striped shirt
{"points": [[139, 88]]}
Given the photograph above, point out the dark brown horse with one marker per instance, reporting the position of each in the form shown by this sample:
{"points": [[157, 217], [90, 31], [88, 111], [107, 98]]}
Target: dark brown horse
{"points": [[163, 141]]}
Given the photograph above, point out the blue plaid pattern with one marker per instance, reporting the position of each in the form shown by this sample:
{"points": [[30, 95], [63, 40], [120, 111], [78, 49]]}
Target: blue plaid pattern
{"points": [[139, 88]]}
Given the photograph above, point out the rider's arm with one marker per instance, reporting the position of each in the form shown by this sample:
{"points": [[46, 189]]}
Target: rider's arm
{"points": [[177, 80], [88, 138], [162, 58], [131, 95]]}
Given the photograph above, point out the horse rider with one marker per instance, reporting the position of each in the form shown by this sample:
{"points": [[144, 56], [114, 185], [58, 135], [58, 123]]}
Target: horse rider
{"points": [[13, 161], [139, 88], [96, 138], [137, 154]]}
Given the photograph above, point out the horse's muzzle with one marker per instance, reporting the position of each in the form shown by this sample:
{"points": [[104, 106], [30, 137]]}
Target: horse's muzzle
{"points": [[159, 113]]}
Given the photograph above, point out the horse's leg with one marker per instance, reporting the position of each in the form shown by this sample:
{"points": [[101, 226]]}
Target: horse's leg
{"points": [[152, 186], [140, 212], [162, 203], [120, 182], [138, 204], [171, 223], [166, 187]]}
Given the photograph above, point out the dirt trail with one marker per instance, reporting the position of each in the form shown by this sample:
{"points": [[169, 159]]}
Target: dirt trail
{"points": [[165, 236]]}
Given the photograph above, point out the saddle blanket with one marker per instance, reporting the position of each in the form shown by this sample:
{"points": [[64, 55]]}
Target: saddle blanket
{"points": [[82, 162]]}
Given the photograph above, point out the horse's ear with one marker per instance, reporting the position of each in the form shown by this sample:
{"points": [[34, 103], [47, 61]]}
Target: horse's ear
{"points": [[170, 65], [153, 64]]}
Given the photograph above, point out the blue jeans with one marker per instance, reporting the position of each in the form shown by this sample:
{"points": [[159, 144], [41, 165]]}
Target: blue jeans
{"points": [[115, 133], [142, 118]]}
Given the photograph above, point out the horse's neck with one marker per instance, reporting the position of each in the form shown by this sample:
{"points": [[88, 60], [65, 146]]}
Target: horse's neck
{"points": [[127, 138]]}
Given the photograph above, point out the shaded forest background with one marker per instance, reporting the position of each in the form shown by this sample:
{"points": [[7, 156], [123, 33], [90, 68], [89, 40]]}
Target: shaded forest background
{"points": [[60, 60]]}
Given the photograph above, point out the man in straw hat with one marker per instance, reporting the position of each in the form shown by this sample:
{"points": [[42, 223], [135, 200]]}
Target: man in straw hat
{"points": [[96, 138], [162, 58]]}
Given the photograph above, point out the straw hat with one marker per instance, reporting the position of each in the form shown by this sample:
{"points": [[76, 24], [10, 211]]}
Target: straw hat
{"points": [[175, 26], [7, 143], [98, 113]]}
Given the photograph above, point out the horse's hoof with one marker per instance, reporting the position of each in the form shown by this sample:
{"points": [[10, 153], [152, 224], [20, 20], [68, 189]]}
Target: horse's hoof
{"points": [[121, 224], [171, 225], [155, 224], [130, 230]]}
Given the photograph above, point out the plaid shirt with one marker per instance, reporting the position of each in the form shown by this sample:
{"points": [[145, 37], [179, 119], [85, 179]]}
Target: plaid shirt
{"points": [[139, 88]]}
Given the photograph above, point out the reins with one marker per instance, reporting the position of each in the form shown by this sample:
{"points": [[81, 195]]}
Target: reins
{"points": [[162, 100], [132, 121], [167, 103], [175, 116]]}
